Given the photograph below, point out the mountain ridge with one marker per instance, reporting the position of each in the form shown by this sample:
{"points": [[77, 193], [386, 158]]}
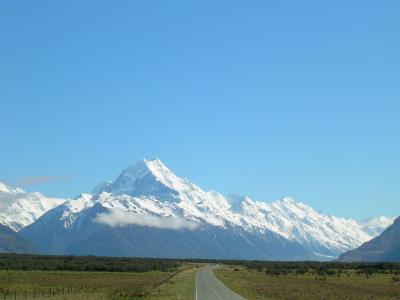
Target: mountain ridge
{"points": [[19, 208]]}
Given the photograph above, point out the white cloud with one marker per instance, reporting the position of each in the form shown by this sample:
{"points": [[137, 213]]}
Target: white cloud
{"points": [[120, 218], [39, 180]]}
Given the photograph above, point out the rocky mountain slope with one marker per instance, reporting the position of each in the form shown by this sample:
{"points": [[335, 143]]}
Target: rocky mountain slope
{"points": [[10, 241], [385, 247]]}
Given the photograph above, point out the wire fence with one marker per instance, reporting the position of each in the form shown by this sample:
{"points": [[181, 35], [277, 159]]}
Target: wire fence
{"points": [[50, 293]]}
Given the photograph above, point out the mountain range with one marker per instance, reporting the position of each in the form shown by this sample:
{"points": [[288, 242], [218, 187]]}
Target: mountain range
{"points": [[19, 208], [148, 211]]}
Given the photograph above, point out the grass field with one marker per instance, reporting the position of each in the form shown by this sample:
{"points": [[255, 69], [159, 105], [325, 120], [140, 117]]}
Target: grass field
{"points": [[74, 277], [181, 286], [256, 284], [172, 284]]}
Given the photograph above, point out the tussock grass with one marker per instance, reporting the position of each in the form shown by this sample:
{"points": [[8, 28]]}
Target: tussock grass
{"points": [[346, 284], [97, 285]]}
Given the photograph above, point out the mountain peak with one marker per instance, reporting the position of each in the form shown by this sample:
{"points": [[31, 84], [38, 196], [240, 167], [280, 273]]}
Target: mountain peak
{"points": [[155, 164], [162, 173], [151, 167], [145, 178], [288, 199], [102, 187]]}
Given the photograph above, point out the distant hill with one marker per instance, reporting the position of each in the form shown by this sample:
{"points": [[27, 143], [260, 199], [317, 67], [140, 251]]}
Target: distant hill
{"points": [[385, 247], [10, 241]]}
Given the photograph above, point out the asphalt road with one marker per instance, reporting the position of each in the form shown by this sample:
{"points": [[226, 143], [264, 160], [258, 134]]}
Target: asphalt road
{"points": [[208, 287]]}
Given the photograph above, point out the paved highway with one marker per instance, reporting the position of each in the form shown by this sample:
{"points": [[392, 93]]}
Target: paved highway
{"points": [[208, 287]]}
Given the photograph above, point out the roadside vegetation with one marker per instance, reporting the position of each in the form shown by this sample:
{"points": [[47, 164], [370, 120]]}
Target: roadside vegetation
{"points": [[312, 280], [181, 286]]}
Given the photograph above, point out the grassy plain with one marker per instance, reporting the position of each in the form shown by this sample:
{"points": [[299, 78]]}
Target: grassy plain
{"points": [[257, 284], [37, 284]]}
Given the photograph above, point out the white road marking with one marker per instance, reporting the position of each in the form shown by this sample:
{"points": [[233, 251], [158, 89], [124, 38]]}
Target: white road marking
{"points": [[196, 286]]}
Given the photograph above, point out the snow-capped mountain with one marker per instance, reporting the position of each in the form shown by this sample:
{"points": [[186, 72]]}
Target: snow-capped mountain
{"points": [[19, 208], [122, 225], [149, 211], [324, 235]]}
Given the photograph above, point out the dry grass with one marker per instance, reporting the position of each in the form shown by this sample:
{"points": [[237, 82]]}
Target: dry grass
{"points": [[253, 284], [97, 285]]}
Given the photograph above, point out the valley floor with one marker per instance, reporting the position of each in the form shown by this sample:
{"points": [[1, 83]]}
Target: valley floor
{"points": [[256, 284], [174, 284], [252, 280]]}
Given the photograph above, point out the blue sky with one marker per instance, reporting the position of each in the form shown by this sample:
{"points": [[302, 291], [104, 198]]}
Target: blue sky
{"points": [[264, 98]]}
